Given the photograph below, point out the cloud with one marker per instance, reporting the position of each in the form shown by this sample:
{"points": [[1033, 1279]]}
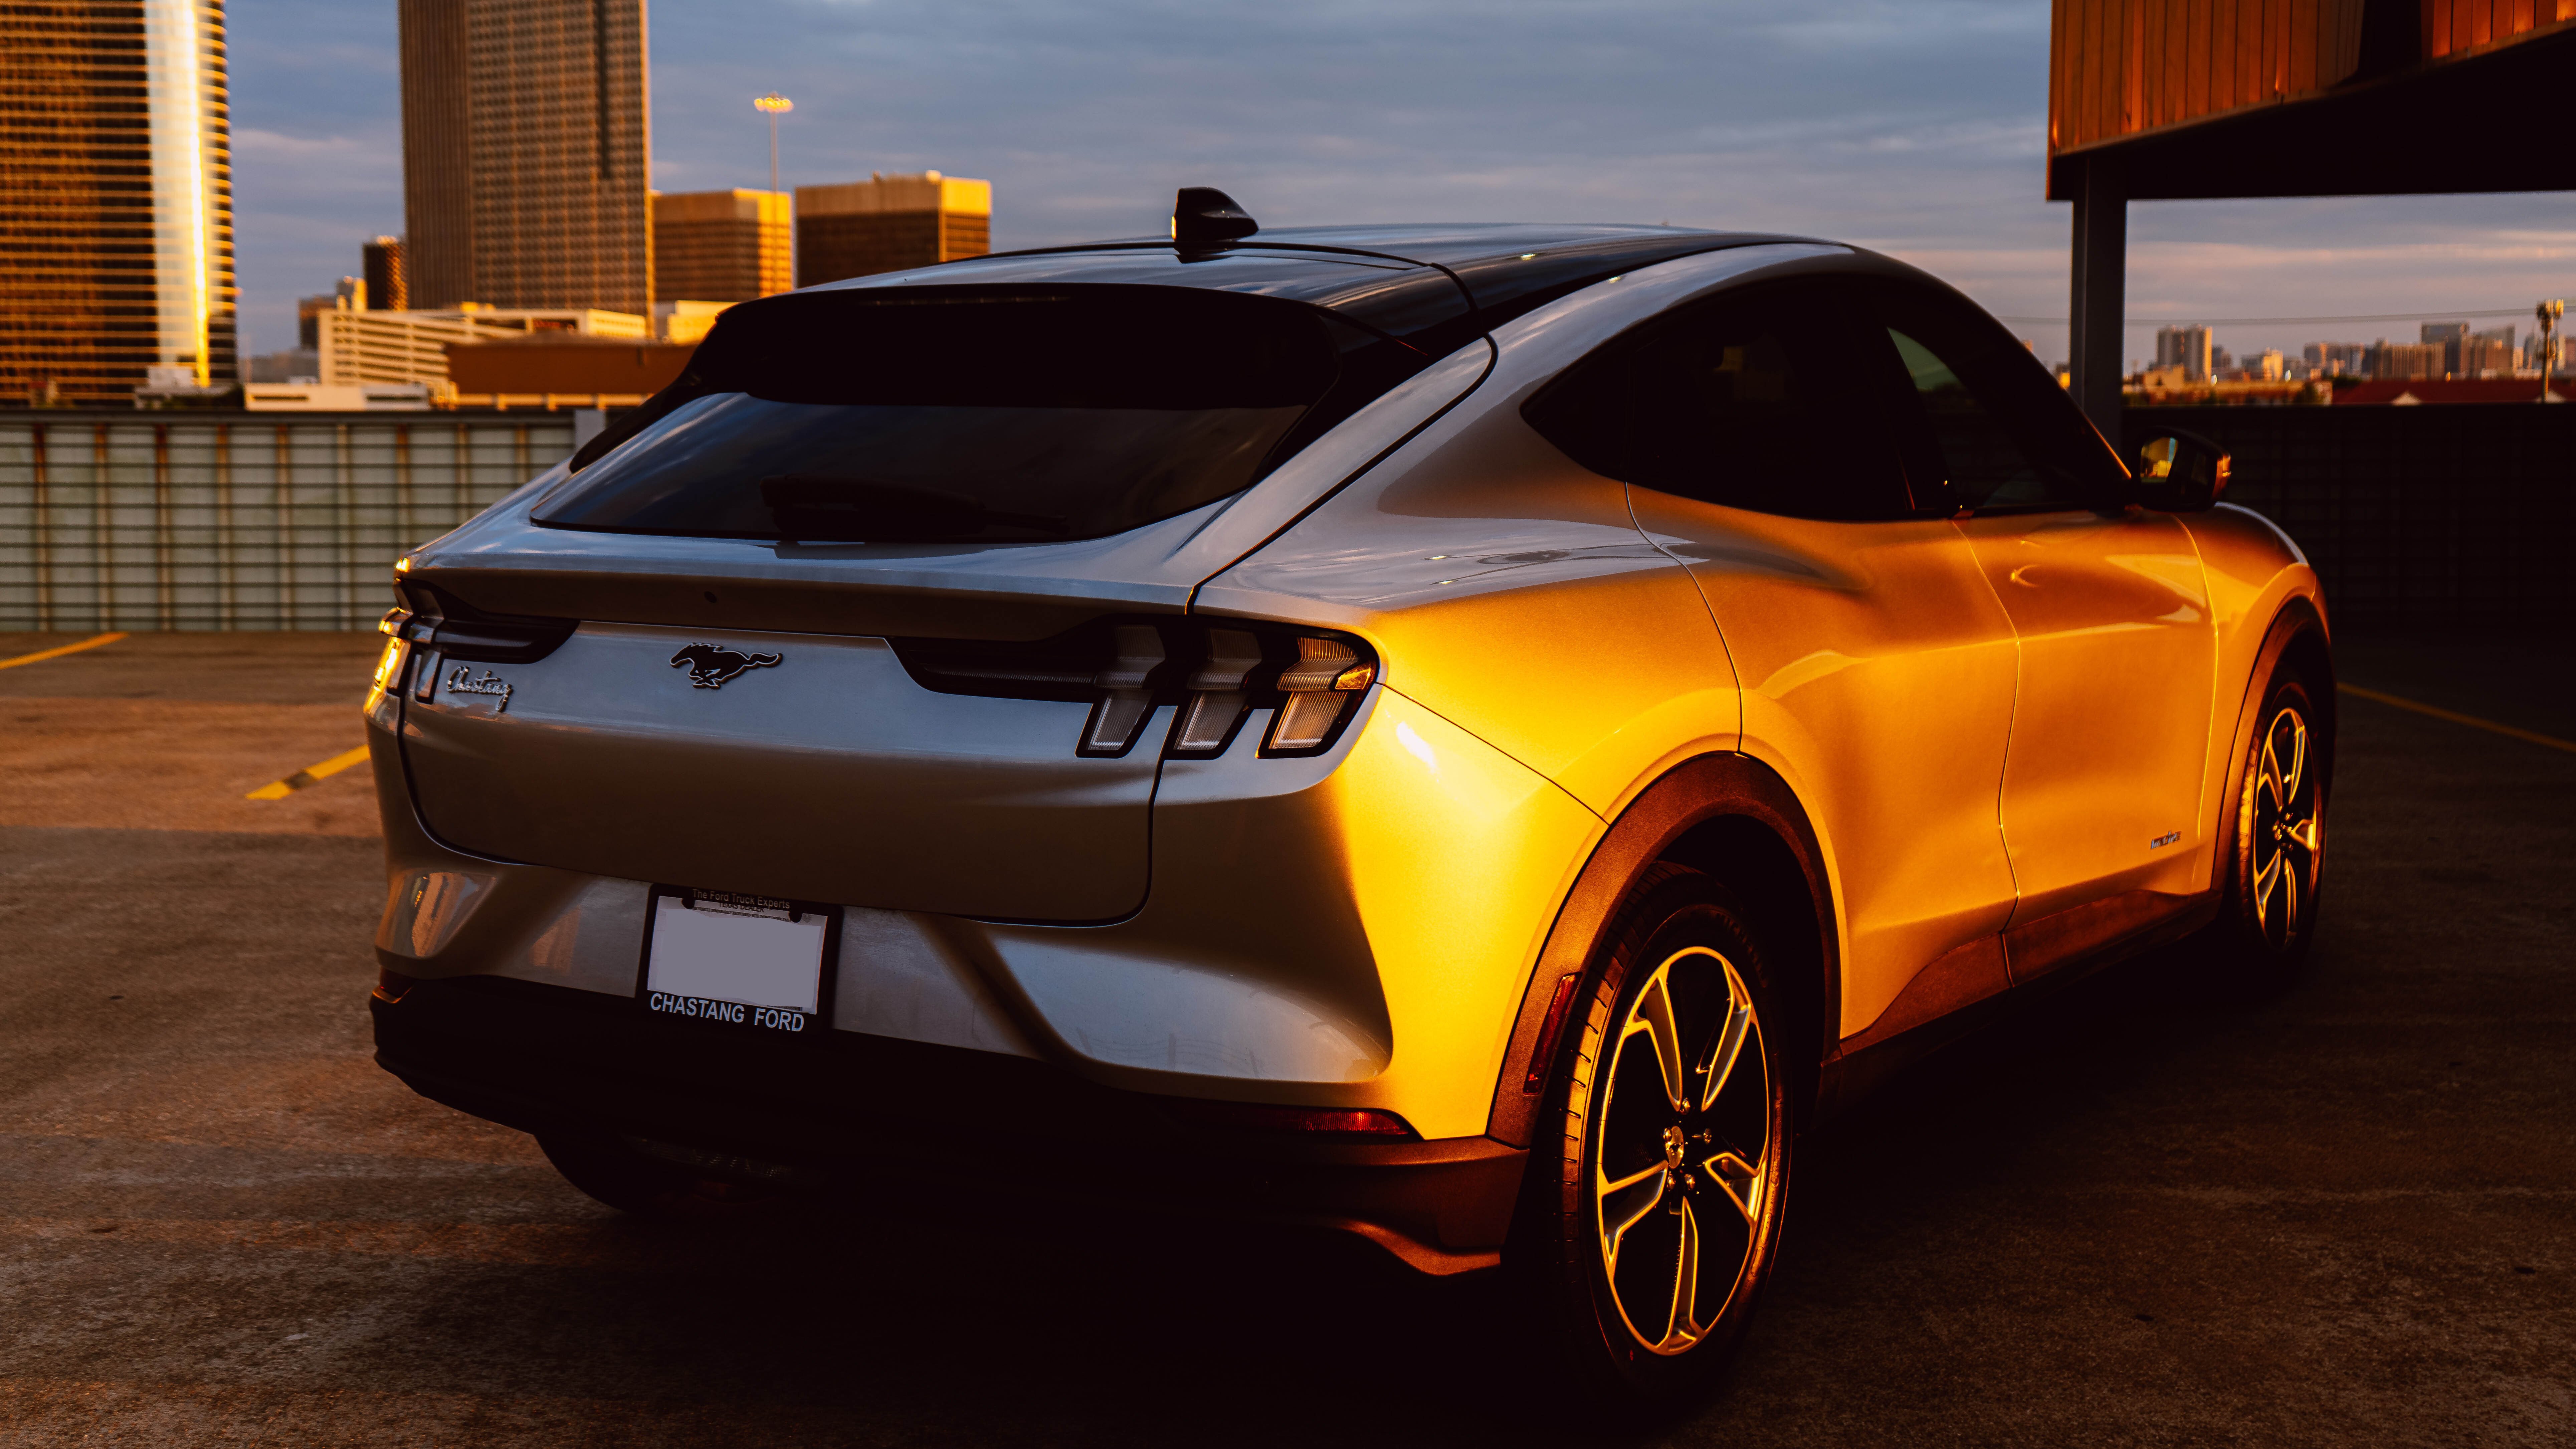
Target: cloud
{"points": [[1915, 128]]}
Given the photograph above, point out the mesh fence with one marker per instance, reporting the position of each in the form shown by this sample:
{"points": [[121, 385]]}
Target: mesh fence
{"points": [[2433, 516], [127, 521]]}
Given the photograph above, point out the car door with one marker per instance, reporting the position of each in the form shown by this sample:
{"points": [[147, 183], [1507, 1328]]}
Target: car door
{"points": [[2101, 803], [1757, 431]]}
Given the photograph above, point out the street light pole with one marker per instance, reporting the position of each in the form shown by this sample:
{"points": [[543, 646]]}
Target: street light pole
{"points": [[775, 105], [2549, 313]]}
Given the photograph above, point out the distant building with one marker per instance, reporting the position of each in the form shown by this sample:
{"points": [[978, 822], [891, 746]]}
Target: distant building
{"points": [[2339, 359], [359, 346], [2410, 360], [685, 321], [525, 153], [2187, 348], [722, 246], [609, 370], [115, 198], [301, 364], [2271, 366], [2483, 356], [887, 223], [349, 296], [388, 283], [2448, 336]]}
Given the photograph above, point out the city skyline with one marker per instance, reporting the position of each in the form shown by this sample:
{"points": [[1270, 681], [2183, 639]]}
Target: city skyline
{"points": [[1916, 131]]}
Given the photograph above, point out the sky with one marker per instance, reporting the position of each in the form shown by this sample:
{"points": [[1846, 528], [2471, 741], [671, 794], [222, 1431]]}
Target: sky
{"points": [[1916, 129]]}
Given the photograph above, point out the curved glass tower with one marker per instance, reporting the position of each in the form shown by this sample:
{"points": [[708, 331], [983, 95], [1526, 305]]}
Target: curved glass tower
{"points": [[116, 226]]}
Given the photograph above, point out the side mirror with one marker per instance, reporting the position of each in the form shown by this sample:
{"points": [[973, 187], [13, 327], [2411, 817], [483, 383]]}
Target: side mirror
{"points": [[2180, 473]]}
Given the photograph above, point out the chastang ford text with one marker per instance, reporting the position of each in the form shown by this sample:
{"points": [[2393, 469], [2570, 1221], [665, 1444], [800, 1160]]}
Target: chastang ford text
{"points": [[775, 1017]]}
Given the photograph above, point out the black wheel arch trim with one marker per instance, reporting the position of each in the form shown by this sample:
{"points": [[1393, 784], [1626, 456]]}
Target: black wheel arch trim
{"points": [[1689, 797]]}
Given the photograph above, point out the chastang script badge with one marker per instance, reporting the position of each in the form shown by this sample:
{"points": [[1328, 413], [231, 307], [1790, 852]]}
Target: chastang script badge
{"points": [[711, 665]]}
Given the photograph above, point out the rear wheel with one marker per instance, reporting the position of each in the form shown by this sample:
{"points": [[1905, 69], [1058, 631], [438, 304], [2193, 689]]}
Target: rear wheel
{"points": [[2268, 918], [1649, 1235]]}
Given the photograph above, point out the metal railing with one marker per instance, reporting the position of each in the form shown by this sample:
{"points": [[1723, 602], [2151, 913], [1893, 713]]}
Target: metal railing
{"points": [[137, 521]]}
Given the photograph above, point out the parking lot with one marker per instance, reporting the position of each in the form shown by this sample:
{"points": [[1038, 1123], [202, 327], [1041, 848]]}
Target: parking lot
{"points": [[2142, 1212]]}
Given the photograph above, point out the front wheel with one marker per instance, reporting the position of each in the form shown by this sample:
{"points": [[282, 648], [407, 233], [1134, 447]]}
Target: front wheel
{"points": [[2268, 916], [1650, 1232]]}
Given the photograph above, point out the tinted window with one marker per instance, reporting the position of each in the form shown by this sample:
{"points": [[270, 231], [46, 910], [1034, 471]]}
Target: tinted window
{"points": [[955, 413], [2002, 433], [1761, 400]]}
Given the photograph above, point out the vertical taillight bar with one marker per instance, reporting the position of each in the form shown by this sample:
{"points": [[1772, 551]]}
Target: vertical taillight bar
{"points": [[1217, 695], [1126, 692]]}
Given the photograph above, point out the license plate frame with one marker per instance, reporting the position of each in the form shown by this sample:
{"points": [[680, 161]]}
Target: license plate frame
{"points": [[776, 1009]]}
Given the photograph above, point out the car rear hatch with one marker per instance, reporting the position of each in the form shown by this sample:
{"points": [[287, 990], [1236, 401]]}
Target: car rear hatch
{"points": [[883, 604]]}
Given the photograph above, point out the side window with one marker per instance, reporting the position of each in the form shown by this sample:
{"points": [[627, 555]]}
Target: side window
{"points": [[2003, 434], [1746, 400]]}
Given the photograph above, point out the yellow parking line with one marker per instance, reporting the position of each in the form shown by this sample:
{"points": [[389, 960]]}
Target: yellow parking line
{"points": [[2551, 742], [310, 774], [58, 653]]}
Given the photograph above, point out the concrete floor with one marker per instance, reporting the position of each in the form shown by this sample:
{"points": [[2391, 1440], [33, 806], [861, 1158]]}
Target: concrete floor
{"points": [[2138, 1214]]}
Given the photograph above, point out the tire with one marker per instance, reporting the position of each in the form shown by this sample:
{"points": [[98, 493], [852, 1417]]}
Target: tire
{"points": [[2276, 843], [1643, 1244], [613, 1173]]}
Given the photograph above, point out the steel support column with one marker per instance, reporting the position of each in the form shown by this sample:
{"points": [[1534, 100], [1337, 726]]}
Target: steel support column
{"points": [[2100, 275]]}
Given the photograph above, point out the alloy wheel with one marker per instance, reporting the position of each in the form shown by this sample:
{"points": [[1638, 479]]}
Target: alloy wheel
{"points": [[2286, 839], [1682, 1156]]}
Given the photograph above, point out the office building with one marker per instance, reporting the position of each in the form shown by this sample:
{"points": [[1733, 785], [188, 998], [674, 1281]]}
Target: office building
{"points": [[722, 246], [2482, 356], [116, 208], [388, 284], [349, 296], [887, 223], [2187, 348], [2270, 366], [525, 151], [2338, 359], [2448, 336], [2410, 360], [360, 346]]}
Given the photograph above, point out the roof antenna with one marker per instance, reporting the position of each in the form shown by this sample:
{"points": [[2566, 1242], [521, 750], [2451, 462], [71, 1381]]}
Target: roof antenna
{"points": [[1203, 216]]}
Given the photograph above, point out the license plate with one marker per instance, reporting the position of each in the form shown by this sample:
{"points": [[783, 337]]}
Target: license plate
{"points": [[730, 960]]}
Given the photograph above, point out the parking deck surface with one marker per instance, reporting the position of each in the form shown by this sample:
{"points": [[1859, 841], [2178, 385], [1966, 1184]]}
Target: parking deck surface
{"points": [[2139, 1213]]}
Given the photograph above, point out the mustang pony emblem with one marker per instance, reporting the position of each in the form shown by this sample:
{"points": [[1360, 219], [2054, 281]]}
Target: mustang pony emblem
{"points": [[711, 665]]}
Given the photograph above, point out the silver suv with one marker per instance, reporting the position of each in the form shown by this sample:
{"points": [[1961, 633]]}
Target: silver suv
{"points": [[1467, 736]]}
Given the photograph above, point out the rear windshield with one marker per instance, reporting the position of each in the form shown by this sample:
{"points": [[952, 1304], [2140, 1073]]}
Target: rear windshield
{"points": [[945, 414]]}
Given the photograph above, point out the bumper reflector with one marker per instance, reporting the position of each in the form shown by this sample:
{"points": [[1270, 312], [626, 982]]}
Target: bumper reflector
{"points": [[391, 985], [1307, 1121]]}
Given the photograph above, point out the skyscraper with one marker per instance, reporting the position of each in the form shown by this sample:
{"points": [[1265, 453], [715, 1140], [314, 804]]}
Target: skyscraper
{"points": [[721, 246], [2187, 348], [526, 150], [2450, 335], [887, 223], [388, 280], [116, 213]]}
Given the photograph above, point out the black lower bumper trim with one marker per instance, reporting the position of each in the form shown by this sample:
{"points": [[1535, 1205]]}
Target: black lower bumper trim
{"points": [[549, 1059]]}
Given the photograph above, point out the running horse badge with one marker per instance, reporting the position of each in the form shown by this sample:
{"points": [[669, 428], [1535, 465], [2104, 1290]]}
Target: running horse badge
{"points": [[711, 665]]}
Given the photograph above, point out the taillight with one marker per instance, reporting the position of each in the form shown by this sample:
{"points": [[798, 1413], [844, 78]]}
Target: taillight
{"points": [[1318, 689], [1216, 675]]}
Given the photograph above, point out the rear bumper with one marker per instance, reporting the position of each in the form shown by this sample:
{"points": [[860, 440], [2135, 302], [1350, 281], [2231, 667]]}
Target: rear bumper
{"points": [[850, 1106]]}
